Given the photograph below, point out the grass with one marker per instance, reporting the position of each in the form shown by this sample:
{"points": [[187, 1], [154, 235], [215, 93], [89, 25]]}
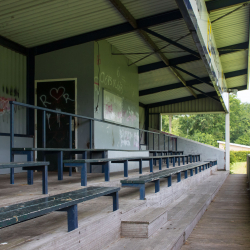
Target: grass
{"points": [[238, 168]]}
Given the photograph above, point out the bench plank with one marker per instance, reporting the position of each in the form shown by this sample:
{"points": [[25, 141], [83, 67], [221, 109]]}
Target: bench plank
{"points": [[13, 214], [23, 164], [29, 166], [140, 182]]}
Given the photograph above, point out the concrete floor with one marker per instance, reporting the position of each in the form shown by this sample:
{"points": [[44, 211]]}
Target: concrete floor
{"points": [[226, 223]]}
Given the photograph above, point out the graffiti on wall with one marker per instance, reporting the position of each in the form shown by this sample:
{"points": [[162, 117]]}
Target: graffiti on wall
{"points": [[8, 94]]}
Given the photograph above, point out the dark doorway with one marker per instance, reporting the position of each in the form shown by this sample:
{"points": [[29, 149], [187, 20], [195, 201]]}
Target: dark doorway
{"points": [[58, 95]]}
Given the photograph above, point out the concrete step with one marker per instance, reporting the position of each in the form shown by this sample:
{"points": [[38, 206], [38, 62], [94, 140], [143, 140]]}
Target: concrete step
{"points": [[144, 224], [183, 214]]}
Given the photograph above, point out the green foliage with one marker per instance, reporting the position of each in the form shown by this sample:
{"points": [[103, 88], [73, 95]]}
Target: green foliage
{"points": [[210, 128], [239, 121], [238, 156]]}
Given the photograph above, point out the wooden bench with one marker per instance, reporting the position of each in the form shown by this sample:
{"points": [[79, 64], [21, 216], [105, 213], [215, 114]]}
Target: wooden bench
{"points": [[13, 214], [30, 166], [212, 162], [140, 182], [82, 163], [59, 152]]}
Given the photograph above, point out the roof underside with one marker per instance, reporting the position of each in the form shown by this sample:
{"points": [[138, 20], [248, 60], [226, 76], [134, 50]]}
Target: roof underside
{"points": [[43, 24]]}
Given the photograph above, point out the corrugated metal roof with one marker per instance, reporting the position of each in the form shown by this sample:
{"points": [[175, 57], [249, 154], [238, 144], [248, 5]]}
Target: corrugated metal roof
{"points": [[174, 31], [231, 29], [237, 81], [204, 87], [165, 96], [142, 8], [156, 78], [234, 61], [200, 105], [133, 43], [31, 23], [196, 67]]}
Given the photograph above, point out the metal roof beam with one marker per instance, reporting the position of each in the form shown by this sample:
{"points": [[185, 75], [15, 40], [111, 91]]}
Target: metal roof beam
{"points": [[172, 42], [236, 73], [127, 15], [183, 99], [170, 87], [109, 31], [159, 65], [222, 4], [189, 83], [190, 58], [233, 48], [239, 88], [13, 46], [194, 76]]}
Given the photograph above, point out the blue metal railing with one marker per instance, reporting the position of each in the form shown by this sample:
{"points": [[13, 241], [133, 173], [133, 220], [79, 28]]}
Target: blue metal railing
{"points": [[44, 110]]}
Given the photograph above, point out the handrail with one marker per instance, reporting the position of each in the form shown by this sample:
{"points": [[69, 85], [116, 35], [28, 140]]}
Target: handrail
{"points": [[12, 103]]}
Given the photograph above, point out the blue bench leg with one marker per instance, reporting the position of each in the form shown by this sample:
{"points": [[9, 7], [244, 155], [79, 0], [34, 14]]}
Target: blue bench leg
{"points": [[191, 172], [106, 171], [186, 174], [72, 217], [170, 181], [196, 170], [115, 197], [90, 166], [183, 160], [84, 175], [142, 191], [151, 165], [173, 161], [115, 201], [179, 161], [45, 180], [70, 171], [30, 172], [190, 158], [103, 156], [178, 177], [140, 166], [70, 168], [160, 163], [187, 159], [199, 168], [12, 176], [157, 186], [60, 165], [154, 154], [12, 170], [125, 168], [167, 162]]}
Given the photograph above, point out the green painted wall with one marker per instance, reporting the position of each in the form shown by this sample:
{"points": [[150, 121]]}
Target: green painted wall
{"points": [[112, 73]]}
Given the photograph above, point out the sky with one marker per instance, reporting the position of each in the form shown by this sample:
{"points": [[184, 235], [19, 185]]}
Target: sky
{"points": [[244, 95]]}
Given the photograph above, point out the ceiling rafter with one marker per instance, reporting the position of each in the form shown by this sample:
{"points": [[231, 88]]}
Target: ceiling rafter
{"points": [[111, 31], [222, 4], [189, 83], [178, 45], [191, 58], [127, 15], [169, 87], [183, 99]]}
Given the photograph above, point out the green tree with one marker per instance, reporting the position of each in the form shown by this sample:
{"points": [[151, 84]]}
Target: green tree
{"points": [[210, 128]]}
